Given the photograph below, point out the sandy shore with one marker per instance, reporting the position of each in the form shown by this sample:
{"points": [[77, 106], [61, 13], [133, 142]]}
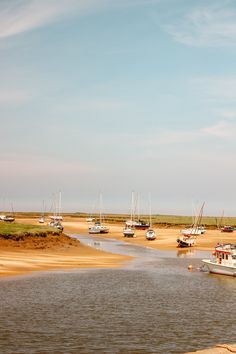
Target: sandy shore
{"points": [[166, 237], [51, 253], [63, 253]]}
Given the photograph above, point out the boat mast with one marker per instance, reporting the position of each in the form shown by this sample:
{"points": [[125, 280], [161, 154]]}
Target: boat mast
{"points": [[150, 212]]}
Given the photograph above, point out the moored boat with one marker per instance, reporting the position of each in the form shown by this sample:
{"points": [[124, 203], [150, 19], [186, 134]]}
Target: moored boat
{"points": [[224, 261], [227, 229], [150, 235], [189, 234], [129, 231], [186, 241], [9, 218]]}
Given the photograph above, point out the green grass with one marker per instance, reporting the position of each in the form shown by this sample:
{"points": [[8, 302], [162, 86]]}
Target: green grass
{"points": [[16, 229]]}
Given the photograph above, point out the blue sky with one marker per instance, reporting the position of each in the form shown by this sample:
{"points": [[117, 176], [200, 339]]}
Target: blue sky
{"points": [[118, 96]]}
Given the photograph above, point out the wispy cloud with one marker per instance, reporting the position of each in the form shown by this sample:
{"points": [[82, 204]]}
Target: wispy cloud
{"points": [[18, 16], [221, 130], [212, 25]]}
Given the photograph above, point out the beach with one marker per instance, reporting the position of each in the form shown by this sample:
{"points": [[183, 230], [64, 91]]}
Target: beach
{"points": [[62, 252]]}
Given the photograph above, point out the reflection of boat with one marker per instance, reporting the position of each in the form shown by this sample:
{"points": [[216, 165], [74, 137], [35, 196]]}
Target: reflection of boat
{"points": [[224, 261], [188, 238], [185, 252], [227, 228]]}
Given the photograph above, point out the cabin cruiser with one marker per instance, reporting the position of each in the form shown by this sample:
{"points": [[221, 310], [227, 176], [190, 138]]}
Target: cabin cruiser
{"points": [[150, 235], [224, 261]]}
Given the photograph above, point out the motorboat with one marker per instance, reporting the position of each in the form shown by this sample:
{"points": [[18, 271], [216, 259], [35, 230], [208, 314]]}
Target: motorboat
{"points": [[150, 235], [227, 229], [129, 231], [224, 261]]}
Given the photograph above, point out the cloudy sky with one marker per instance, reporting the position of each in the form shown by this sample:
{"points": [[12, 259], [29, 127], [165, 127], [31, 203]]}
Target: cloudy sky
{"points": [[115, 96]]}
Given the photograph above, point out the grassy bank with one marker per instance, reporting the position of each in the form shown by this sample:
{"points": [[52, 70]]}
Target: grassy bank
{"points": [[23, 229]]}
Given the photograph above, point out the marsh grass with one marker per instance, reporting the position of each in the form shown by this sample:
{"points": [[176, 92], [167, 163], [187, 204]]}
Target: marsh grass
{"points": [[18, 229]]}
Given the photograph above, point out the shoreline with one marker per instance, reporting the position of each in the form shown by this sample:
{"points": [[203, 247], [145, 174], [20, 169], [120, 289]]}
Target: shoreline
{"points": [[23, 258]]}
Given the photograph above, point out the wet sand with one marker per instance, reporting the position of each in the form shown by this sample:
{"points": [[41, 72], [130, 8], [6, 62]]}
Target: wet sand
{"points": [[166, 237]]}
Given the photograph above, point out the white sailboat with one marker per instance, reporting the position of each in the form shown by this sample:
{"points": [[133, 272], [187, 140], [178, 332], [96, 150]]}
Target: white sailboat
{"points": [[42, 218], [98, 227], [129, 229], [150, 234], [56, 218], [188, 238]]}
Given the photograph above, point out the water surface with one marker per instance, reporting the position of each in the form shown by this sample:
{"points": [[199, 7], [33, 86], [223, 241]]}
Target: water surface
{"points": [[152, 305]]}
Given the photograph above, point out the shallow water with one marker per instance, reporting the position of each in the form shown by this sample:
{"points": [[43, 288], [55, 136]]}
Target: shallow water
{"points": [[152, 305]]}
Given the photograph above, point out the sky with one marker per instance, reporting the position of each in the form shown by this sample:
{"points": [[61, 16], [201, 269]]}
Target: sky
{"points": [[111, 96]]}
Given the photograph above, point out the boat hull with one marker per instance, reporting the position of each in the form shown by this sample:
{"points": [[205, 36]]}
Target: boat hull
{"points": [[188, 242], [219, 268]]}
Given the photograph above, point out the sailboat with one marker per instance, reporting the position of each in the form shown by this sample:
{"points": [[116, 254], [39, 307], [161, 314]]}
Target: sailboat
{"points": [[129, 229], [56, 217], [136, 221], [188, 239], [150, 234], [9, 217], [42, 217], [225, 228], [99, 227]]}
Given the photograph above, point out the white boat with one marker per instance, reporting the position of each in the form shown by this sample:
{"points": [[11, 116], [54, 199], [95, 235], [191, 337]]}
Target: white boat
{"points": [[150, 235], [186, 241], [42, 220], [191, 231], [129, 231], [56, 225], [188, 235], [98, 227], [224, 261]]}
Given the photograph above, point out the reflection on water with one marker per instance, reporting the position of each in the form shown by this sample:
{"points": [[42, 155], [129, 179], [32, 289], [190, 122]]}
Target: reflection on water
{"points": [[153, 306], [188, 252]]}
